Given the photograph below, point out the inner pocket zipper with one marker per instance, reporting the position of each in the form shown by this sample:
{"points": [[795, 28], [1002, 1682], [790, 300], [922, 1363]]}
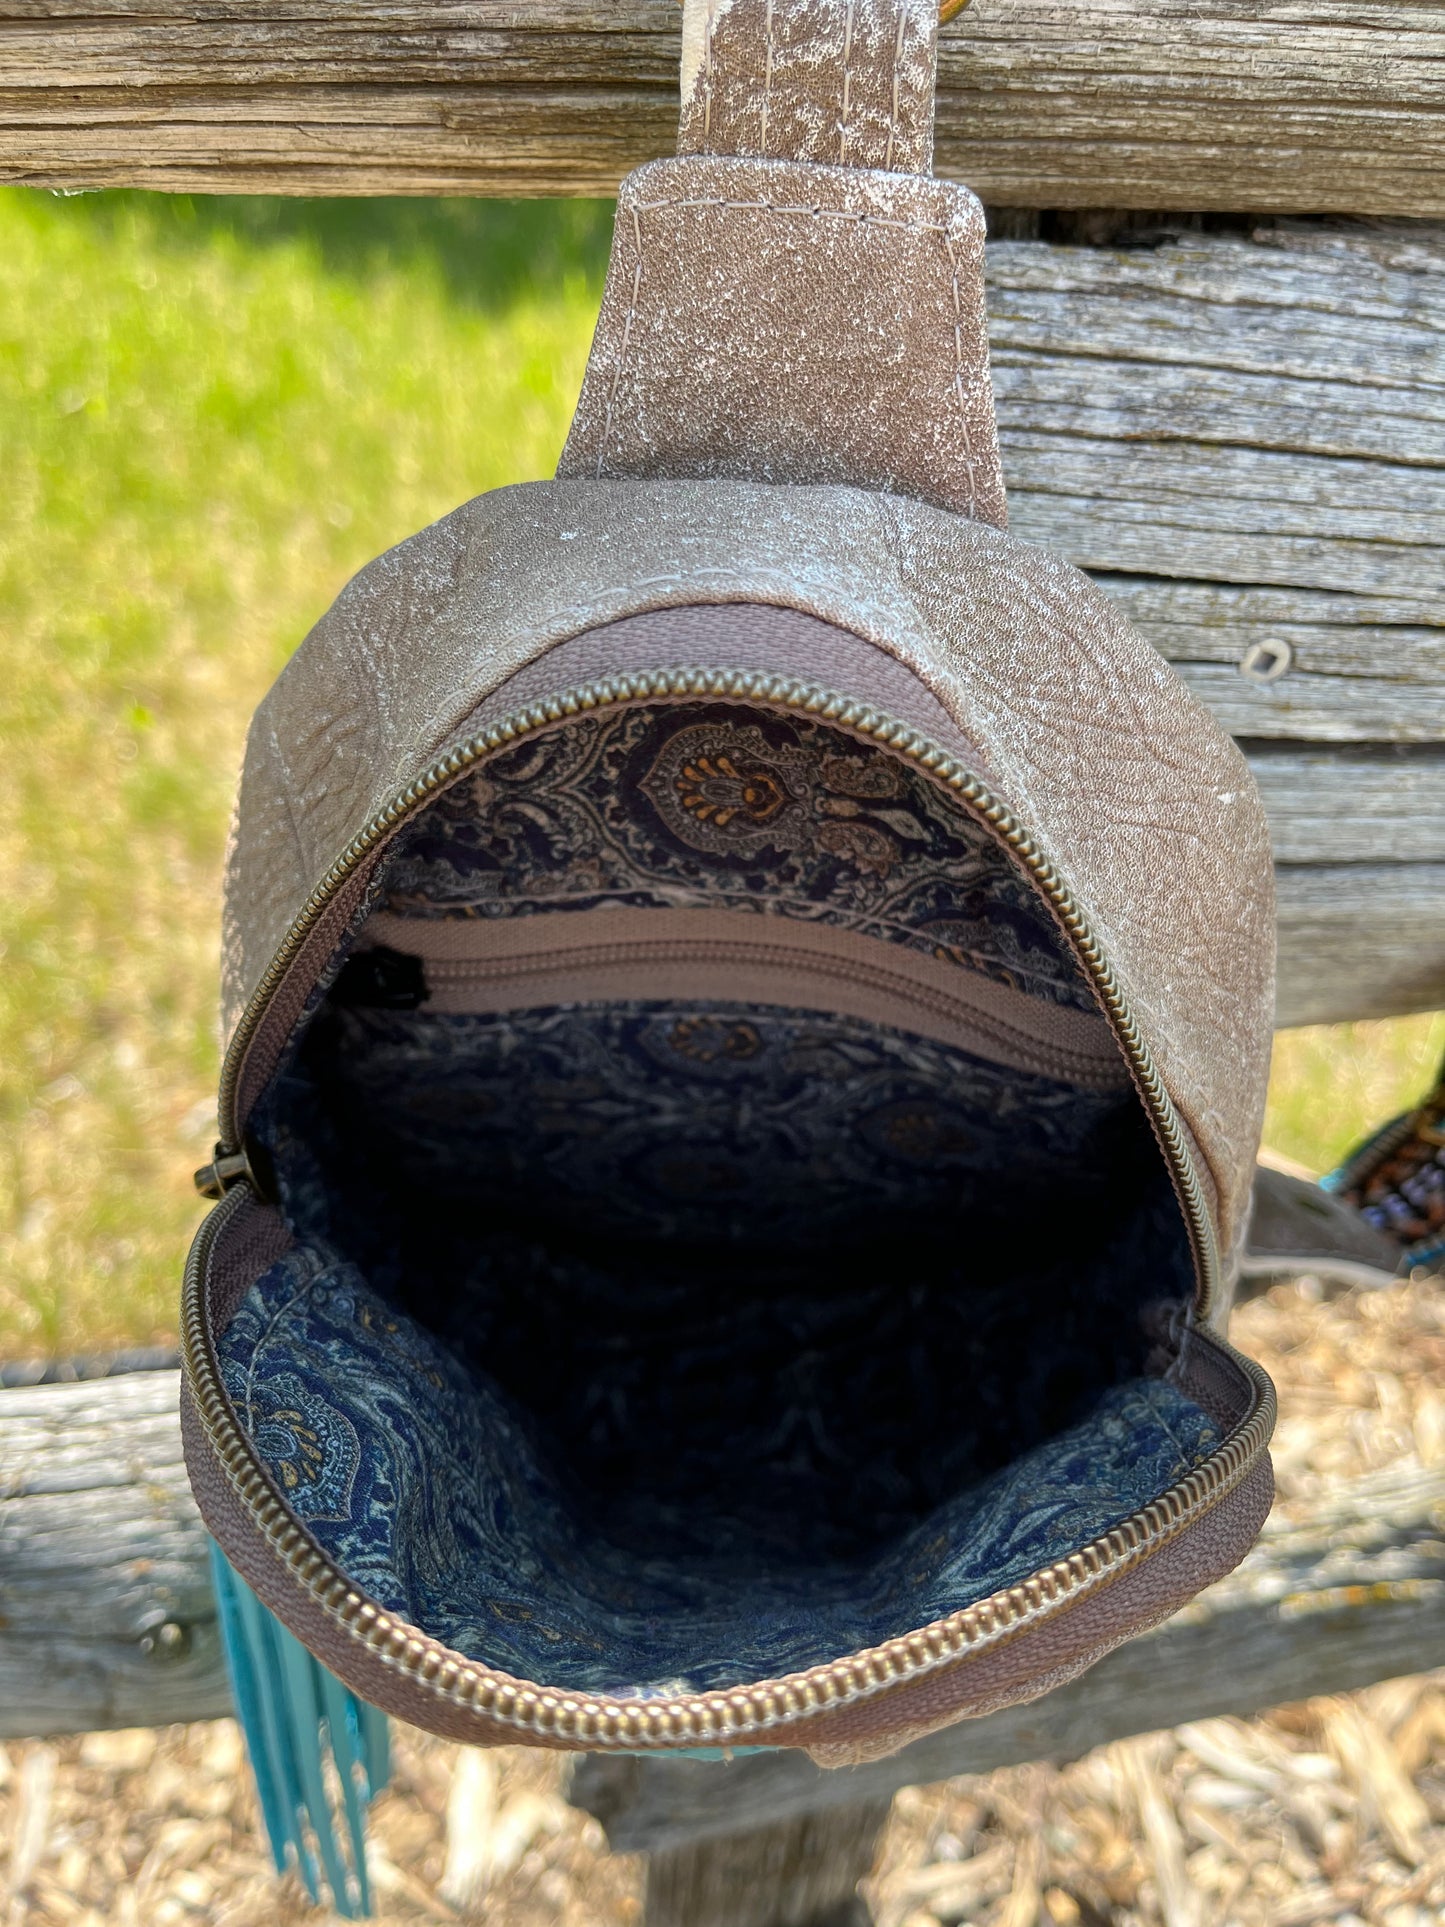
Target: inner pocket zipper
{"points": [[471, 965], [268, 1018], [743, 1713]]}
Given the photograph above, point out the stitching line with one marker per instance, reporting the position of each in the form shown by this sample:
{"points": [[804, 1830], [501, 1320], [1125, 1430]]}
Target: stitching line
{"points": [[626, 343], [767, 76], [897, 89], [863, 218], [847, 83], [969, 461], [639, 208], [707, 82]]}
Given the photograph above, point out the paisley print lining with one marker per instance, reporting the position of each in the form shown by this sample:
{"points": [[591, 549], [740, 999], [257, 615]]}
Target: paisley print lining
{"points": [[717, 807], [454, 1518], [636, 1346], [746, 1125]]}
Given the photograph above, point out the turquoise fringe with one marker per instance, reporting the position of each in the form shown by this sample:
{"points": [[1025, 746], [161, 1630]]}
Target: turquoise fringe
{"points": [[291, 1710]]}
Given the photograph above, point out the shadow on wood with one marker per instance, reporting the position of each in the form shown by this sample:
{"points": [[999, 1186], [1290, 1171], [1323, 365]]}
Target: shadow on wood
{"points": [[804, 1872]]}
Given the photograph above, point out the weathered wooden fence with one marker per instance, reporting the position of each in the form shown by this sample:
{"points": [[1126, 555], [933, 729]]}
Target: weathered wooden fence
{"points": [[1277, 105], [106, 1619], [1243, 437], [1234, 417]]}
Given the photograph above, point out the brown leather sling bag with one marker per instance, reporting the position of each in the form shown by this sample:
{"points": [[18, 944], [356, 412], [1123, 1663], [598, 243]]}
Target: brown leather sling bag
{"points": [[749, 996]]}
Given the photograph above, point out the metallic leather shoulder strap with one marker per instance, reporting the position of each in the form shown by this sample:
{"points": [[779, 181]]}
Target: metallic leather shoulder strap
{"points": [[843, 83], [795, 299]]}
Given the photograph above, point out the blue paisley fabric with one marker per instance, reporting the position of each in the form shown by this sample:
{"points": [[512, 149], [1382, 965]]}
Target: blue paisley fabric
{"points": [[637, 1347], [432, 1490], [709, 1121]]}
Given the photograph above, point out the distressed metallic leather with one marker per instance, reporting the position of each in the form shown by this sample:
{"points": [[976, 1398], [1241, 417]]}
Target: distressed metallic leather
{"points": [[790, 323], [844, 83], [793, 300], [1141, 802], [785, 449]]}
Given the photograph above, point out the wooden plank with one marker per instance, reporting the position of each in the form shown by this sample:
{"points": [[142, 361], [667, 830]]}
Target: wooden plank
{"points": [[1322, 304], [1363, 668], [1244, 440], [1328, 105], [101, 1551], [801, 1872], [1228, 514], [1346, 1591], [1359, 940], [1382, 804], [106, 1613]]}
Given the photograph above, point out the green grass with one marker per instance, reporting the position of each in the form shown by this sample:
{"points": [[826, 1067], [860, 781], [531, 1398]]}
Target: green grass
{"points": [[1332, 1083], [211, 414]]}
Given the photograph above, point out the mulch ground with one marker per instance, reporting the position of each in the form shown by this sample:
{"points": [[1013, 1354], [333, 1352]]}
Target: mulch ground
{"points": [[1328, 1811]]}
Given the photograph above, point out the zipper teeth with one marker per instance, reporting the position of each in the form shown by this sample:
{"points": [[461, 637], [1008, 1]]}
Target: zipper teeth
{"points": [[597, 1722], [460, 973], [742, 1712], [808, 699]]}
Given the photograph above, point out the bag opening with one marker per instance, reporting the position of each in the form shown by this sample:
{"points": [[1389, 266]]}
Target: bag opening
{"points": [[726, 1232]]}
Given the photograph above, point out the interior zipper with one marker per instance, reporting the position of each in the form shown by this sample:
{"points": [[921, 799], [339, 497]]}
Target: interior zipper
{"points": [[742, 1713], [470, 965]]}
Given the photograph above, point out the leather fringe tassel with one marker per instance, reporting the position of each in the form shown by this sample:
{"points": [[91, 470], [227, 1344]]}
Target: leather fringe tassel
{"points": [[292, 1712]]}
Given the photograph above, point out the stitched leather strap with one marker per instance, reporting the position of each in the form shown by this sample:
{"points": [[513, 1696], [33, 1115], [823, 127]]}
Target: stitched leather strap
{"points": [[794, 299], [844, 83]]}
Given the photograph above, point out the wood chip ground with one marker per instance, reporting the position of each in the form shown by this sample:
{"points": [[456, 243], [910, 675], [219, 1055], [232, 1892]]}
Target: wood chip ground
{"points": [[1328, 1811]]}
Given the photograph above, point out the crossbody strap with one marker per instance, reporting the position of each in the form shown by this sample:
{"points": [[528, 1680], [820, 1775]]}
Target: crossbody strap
{"points": [[794, 299], [844, 83]]}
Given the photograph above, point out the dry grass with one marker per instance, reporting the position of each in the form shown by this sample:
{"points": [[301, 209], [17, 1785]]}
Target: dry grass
{"points": [[145, 1829], [1331, 1811]]}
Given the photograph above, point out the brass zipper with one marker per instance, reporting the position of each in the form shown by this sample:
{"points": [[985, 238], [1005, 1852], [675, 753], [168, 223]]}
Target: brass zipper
{"points": [[741, 1713]]}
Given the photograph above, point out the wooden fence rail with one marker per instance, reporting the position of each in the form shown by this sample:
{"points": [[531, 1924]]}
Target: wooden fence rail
{"points": [[1243, 438], [106, 1611], [107, 1619], [1306, 105]]}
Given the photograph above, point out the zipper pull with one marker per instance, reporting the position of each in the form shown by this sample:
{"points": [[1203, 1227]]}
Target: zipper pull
{"points": [[250, 1165]]}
